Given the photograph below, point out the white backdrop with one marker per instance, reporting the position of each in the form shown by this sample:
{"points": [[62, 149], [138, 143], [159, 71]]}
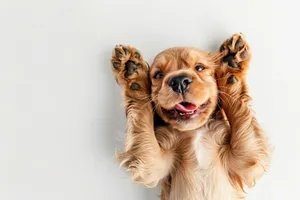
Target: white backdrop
{"points": [[60, 110]]}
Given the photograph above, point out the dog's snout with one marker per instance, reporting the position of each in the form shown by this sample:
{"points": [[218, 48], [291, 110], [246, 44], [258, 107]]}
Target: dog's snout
{"points": [[180, 83]]}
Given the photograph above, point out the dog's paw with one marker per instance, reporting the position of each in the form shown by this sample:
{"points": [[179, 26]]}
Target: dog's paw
{"points": [[141, 171], [235, 57], [129, 68], [231, 75], [236, 52]]}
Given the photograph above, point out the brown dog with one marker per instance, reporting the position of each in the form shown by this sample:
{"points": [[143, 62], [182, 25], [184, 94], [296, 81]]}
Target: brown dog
{"points": [[210, 146]]}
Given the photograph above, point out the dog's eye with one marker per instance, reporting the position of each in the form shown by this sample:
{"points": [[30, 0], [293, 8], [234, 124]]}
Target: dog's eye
{"points": [[199, 67], [158, 75]]}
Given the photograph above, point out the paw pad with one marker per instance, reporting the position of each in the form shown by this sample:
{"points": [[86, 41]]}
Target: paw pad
{"points": [[115, 65], [126, 51], [235, 51], [130, 69], [230, 60], [239, 43], [135, 86], [232, 79]]}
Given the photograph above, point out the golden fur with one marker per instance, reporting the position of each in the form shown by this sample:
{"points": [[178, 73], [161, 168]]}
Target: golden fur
{"points": [[213, 156]]}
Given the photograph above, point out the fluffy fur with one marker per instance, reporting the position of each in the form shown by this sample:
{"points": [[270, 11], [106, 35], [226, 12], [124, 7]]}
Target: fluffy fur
{"points": [[214, 155]]}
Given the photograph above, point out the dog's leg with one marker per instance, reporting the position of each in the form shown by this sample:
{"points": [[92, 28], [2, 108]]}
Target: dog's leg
{"points": [[143, 156], [247, 154]]}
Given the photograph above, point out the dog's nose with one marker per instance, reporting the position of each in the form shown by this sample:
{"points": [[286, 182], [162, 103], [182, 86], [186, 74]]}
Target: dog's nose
{"points": [[180, 83]]}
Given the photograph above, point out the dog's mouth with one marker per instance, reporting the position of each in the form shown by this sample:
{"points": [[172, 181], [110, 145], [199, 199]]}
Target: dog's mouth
{"points": [[186, 110]]}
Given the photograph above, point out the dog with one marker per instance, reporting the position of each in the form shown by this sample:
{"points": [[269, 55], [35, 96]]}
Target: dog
{"points": [[189, 124]]}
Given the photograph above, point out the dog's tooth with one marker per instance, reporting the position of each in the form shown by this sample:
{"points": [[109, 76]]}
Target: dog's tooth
{"points": [[181, 113]]}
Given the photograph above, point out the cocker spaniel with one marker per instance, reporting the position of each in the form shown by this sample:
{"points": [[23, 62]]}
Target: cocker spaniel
{"points": [[189, 124]]}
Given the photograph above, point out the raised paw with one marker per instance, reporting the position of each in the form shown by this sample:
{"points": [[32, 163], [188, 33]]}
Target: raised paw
{"points": [[236, 52], [231, 75], [129, 68], [235, 57]]}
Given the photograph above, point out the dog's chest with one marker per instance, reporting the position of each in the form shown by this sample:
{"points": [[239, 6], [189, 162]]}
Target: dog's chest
{"points": [[209, 181], [203, 149]]}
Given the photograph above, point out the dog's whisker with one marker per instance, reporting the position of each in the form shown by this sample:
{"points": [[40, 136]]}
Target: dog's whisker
{"points": [[148, 102], [154, 107]]}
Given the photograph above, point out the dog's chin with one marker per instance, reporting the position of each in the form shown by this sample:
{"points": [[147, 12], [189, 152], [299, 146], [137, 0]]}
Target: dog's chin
{"points": [[186, 116]]}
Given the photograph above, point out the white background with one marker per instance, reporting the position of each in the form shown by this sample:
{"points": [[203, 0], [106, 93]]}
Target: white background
{"points": [[61, 114]]}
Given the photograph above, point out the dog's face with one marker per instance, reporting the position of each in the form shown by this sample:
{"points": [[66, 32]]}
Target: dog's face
{"points": [[184, 88]]}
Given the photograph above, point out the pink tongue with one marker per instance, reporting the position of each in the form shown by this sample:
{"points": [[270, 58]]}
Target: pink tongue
{"points": [[187, 107]]}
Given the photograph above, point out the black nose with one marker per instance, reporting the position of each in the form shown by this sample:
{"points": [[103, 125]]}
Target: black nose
{"points": [[180, 83]]}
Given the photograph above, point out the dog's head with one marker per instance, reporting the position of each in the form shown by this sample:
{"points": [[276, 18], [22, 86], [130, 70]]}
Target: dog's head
{"points": [[184, 88]]}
